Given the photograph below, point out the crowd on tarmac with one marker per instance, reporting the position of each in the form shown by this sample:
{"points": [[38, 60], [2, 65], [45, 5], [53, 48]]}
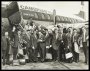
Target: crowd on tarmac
{"points": [[33, 43]]}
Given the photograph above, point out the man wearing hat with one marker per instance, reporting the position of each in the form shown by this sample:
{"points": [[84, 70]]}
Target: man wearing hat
{"points": [[60, 42], [42, 43], [15, 42], [84, 42], [69, 41], [5, 48], [5, 44]]}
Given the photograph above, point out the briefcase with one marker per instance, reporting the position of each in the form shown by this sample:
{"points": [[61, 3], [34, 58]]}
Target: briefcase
{"points": [[11, 58], [68, 55], [48, 56]]}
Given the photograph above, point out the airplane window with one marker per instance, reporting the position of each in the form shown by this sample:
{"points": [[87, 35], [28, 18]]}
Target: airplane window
{"points": [[76, 21], [57, 18], [66, 19], [62, 18], [79, 21], [51, 17], [36, 16], [43, 17], [70, 19], [48, 17], [39, 15], [73, 20]]}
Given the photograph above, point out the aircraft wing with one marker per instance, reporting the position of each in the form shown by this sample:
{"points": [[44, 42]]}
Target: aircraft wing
{"points": [[11, 12]]}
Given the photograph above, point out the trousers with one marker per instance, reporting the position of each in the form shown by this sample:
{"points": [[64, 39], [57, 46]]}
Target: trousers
{"points": [[85, 49]]}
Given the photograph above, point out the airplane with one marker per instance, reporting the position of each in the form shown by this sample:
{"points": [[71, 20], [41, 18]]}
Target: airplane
{"points": [[13, 14]]}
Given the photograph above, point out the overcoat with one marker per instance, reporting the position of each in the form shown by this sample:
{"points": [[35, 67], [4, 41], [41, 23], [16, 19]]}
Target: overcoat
{"points": [[69, 41], [3, 43]]}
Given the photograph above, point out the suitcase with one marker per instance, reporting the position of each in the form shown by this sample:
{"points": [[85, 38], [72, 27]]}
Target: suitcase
{"points": [[15, 62], [48, 56], [22, 61], [68, 55]]}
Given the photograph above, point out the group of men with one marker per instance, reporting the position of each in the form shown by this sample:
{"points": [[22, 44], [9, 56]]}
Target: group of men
{"points": [[33, 41]]}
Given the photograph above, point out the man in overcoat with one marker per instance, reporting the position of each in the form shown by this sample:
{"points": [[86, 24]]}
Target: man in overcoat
{"points": [[84, 42], [42, 43], [5, 44]]}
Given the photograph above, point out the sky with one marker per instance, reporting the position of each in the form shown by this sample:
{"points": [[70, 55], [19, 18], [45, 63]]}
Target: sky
{"points": [[61, 7]]}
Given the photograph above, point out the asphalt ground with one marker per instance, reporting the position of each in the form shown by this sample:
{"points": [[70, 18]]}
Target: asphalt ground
{"points": [[51, 65]]}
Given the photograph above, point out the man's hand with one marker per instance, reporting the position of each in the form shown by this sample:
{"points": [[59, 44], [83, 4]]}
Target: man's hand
{"points": [[62, 41], [47, 47], [13, 29], [33, 47], [68, 47], [50, 45]]}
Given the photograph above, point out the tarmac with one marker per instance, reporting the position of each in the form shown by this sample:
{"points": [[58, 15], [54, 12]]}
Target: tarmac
{"points": [[51, 65]]}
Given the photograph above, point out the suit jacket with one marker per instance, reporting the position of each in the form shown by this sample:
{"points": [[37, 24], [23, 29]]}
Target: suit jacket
{"points": [[64, 38], [75, 38], [3, 43], [41, 36], [84, 35], [20, 41], [25, 37], [69, 39], [59, 33], [15, 38], [34, 39], [55, 44], [48, 38]]}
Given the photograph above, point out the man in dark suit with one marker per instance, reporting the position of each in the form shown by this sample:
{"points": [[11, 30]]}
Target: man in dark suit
{"points": [[57, 42], [64, 38], [42, 43], [54, 46], [33, 39], [69, 42], [84, 42], [15, 42], [60, 42], [69, 39], [5, 44]]}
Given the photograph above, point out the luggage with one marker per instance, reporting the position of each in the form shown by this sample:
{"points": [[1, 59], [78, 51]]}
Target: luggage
{"points": [[15, 62], [26, 56], [22, 61], [47, 47], [68, 55], [48, 56], [11, 58]]}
